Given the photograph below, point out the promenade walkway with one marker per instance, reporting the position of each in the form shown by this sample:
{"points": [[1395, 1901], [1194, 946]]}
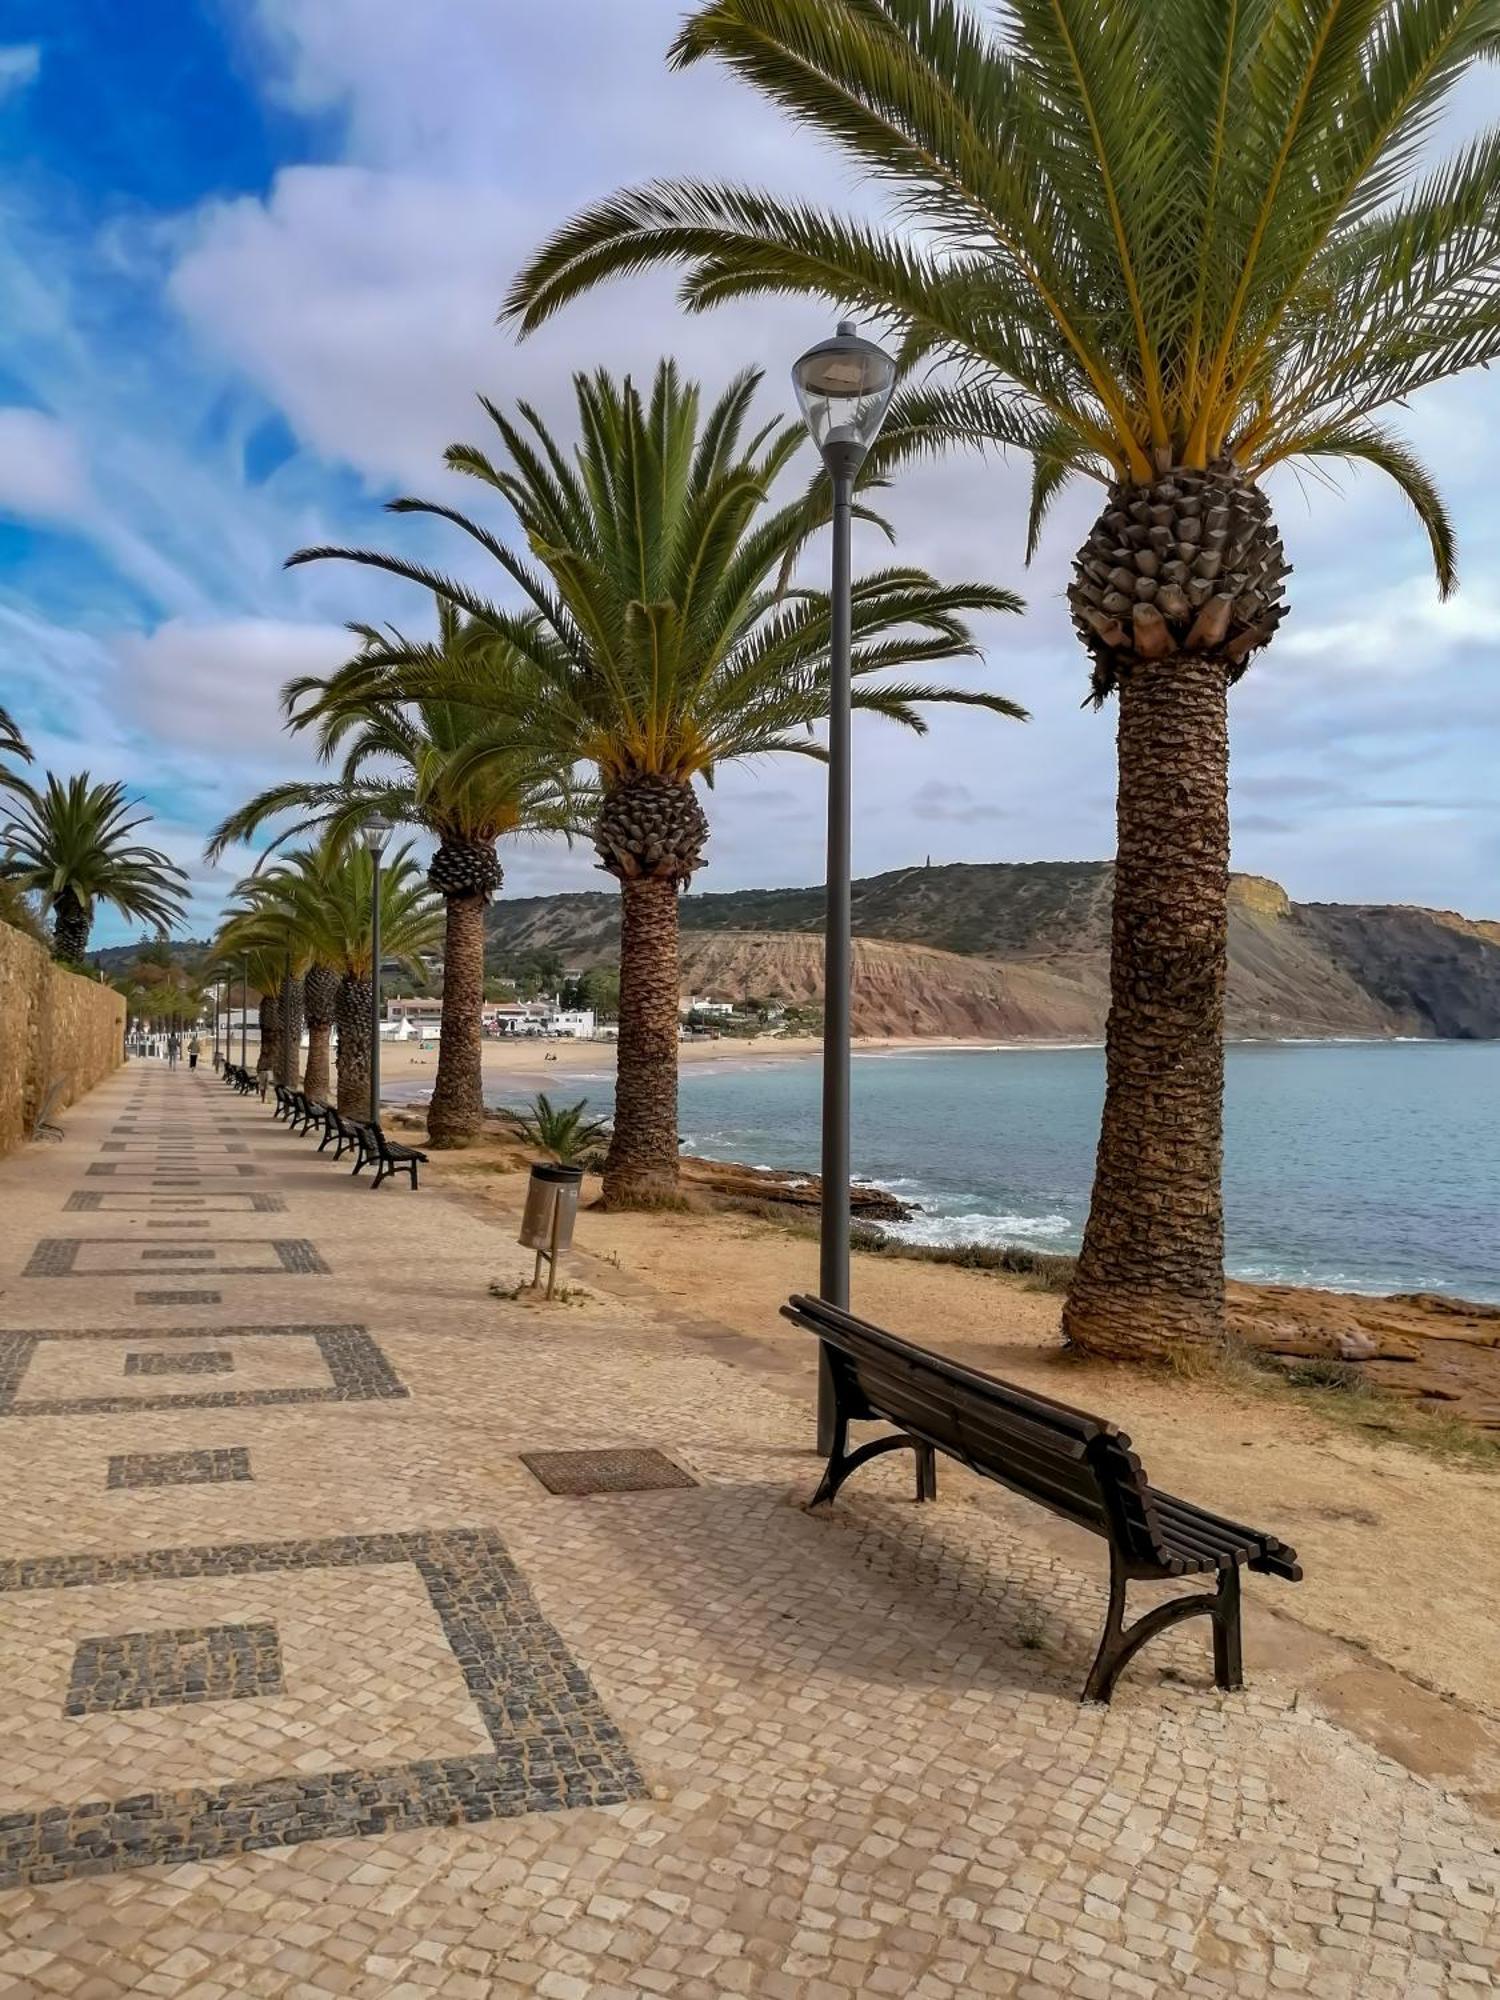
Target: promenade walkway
{"points": [[310, 1686]]}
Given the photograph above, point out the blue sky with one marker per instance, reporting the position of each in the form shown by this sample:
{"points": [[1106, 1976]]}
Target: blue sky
{"points": [[251, 252]]}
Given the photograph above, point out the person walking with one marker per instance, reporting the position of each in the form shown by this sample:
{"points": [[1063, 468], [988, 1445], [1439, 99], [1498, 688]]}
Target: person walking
{"points": [[193, 1053], [174, 1049]]}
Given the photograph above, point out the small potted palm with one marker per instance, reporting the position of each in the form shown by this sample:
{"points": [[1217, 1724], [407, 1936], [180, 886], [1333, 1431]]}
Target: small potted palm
{"points": [[567, 1135]]}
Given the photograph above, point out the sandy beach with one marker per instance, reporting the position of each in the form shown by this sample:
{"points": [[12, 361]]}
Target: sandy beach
{"points": [[533, 1064]]}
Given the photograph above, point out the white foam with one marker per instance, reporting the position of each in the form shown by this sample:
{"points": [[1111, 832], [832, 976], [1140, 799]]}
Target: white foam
{"points": [[996, 1231]]}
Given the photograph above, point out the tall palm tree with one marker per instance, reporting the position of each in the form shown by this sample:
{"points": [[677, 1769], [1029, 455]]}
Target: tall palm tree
{"points": [[314, 909], [659, 639], [403, 759], [1166, 245], [69, 844]]}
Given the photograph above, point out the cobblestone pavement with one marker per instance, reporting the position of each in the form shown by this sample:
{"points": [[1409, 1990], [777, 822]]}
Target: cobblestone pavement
{"points": [[310, 1686]]}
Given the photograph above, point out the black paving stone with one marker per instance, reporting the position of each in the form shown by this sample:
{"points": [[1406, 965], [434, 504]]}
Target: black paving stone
{"points": [[187, 1361], [177, 1664], [179, 1468]]}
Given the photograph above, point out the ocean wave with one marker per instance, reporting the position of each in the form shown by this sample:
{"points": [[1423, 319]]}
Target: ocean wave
{"points": [[941, 1231]]}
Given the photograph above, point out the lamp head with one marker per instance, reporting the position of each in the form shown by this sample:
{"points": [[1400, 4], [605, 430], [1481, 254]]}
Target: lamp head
{"points": [[376, 832], [844, 388]]}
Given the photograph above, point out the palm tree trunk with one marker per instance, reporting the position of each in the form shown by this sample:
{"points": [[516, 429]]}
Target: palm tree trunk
{"points": [[270, 1028], [320, 993], [289, 1045], [1150, 1279], [70, 927], [641, 1166], [316, 1074], [455, 1116], [352, 1013]]}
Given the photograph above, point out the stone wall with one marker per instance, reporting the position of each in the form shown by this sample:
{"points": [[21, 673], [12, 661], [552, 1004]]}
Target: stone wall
{"points": [[54, 1026]]}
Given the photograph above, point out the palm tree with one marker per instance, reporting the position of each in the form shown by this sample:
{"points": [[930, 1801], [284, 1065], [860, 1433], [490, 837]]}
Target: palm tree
{"points": [[659, 639], [564, 1132], [314, 910], [1167, 245], [406, 760], [69, 844]]}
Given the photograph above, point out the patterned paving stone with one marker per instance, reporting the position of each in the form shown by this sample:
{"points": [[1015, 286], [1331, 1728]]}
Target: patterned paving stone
{"points": [[179, 1468], [85, 1202], [80, 1257], [179, 1298], [357, 1370], [553, 1745], [626, 1470], [184, 1663], [189, 1361]]}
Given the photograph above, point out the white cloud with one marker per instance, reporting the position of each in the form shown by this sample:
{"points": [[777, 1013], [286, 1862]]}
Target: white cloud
{"points": [[215, 686], [42, 473], [20, 65]]}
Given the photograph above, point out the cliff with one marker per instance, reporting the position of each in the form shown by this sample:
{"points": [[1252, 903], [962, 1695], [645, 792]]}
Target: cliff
{"points": [[1020, 950]]}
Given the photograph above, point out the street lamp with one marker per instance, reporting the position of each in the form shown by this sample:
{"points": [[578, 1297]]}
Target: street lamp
{"points": [[244, 1005], [377, 831], [844, 388]]}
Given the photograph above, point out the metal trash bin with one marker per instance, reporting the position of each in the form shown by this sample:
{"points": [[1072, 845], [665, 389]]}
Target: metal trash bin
{"points": [[547, 1220]]}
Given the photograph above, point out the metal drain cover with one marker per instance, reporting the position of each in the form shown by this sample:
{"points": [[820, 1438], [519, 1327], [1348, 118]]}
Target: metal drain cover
{"points": [[628, 1470]]}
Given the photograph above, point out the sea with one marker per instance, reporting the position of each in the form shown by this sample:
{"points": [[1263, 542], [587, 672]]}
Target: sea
{"points": [[1358, 1166]]}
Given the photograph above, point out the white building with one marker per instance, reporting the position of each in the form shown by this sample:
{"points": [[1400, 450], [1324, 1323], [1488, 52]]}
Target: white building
{"points": [[578, 1022], [414, 1009], [539, 1018], [712, 1010]]}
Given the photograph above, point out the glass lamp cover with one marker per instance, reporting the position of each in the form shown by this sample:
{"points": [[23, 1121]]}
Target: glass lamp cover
{"points": [[377, 831], [844, 388]]}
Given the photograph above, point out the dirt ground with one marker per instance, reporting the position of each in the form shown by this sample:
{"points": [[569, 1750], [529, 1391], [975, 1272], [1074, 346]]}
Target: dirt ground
{"points": [[1401, 1545]]}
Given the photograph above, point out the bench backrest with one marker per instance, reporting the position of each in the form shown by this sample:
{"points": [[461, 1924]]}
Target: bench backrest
{"points": [[1079, 1466]]}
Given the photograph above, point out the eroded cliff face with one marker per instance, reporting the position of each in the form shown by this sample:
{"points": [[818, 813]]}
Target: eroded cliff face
{"points": [[1020, 951], [901, 989]]}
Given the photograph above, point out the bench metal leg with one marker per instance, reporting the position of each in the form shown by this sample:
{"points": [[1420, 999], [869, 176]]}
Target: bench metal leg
{"points": [[842, 1462], [1121, 1642], [1229, 1667]]}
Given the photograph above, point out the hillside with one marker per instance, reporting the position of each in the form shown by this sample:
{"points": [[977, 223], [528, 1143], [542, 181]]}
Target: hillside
{"points": [[1021, 949]]}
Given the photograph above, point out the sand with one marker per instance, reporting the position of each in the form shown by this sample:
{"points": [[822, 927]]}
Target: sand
{"points": [[1401, 1548], [529, 1063]]}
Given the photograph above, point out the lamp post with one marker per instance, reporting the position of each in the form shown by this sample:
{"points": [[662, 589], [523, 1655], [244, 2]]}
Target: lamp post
{"points": [[844, 388], [377, 831], [244, 1005], [216, 1026]]}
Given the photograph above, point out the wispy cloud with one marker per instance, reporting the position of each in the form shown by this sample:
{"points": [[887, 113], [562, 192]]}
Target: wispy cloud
{"points": [[20, 65]]}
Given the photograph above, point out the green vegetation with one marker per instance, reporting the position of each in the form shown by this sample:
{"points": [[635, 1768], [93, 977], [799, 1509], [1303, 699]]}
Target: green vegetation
{"points": [[414, 760], [306, 924], [563, 1131], [68, 844]]}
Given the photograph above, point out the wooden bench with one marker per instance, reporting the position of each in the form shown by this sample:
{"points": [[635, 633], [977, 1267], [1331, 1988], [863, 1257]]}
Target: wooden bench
{"points": [[346, 1130], [306, 1112], [283, 1101], [390, 1157], [1078, 1466]]}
